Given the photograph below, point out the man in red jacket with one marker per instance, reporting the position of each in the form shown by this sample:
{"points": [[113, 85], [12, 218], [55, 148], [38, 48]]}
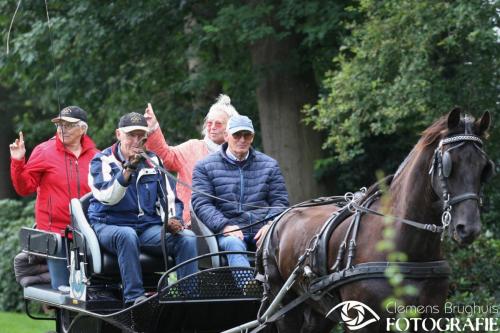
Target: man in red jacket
{"points": [[57, 171]]}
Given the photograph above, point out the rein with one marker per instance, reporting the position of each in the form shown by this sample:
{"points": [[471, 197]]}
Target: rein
{"points": [[171, 176], [309, 203], [419, 225]]}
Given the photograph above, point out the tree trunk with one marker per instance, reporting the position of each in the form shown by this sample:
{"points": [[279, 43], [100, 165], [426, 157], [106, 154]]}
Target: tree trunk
{"points": [[204, 98], [6, 189], [282, 91]]}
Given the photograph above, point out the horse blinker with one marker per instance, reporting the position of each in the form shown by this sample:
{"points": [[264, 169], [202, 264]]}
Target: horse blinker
{"points": [[447, 164]]}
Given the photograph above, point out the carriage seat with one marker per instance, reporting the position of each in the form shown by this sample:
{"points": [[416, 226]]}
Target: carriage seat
{"points": [[207, 244], [100, 262]]}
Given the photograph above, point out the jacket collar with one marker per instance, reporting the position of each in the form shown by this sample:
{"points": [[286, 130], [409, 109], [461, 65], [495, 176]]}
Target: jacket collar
{"points": [[85, 141], [223, 153]]}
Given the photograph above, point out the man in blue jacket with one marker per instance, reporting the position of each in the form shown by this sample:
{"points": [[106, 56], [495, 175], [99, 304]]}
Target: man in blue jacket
{"points": [[250, 180], [130, 200]]}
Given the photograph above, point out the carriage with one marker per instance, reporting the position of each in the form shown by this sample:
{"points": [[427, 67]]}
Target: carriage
{"points": [[316, 256], [216, 298]]}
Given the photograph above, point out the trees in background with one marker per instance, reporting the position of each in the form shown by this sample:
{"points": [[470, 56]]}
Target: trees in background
{"points": [[405, 64], [112, 58], [397, 65]]}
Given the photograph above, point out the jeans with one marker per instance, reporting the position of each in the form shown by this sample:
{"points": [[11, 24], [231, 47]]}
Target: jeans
{"points": [[58, 268], [126, 242], [231, 243]]}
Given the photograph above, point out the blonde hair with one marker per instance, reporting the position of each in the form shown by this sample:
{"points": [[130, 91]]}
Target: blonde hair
{"points": [[222, 104]]}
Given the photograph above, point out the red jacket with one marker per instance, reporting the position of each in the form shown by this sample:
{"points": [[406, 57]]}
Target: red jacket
{"points": [[56, 175]]}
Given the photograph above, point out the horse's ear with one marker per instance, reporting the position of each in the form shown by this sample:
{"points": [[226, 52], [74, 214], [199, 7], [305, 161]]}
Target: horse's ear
{"points": [[454, 118], [484, 122]]}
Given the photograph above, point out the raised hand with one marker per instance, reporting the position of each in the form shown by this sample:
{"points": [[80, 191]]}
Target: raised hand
{"points": [[151, 118], [17, 149]]}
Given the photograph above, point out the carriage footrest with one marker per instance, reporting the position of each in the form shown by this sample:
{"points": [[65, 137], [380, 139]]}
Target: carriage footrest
{"points": [[222, 283], [96, 300], [44, 293]]}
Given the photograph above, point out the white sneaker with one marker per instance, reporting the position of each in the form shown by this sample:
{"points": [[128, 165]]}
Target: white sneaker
{"points": [[140, 299], [64, 289]]}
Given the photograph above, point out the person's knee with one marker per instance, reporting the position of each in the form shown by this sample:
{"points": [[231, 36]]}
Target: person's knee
{"points": [[188, 238], [231, 243], [127, 236]]}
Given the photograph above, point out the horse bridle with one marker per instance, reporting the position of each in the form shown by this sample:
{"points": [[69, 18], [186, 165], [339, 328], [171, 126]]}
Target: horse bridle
{"points": [[442, 164]]}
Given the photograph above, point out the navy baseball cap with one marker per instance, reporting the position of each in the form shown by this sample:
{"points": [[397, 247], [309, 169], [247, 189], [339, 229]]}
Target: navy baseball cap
{"points": [[71, 114], [132, 121]]}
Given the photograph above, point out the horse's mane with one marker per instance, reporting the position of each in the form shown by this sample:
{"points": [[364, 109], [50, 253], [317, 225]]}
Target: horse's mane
{"points": [[429, 137], [383, 184], [427, 142], [432, 134]]}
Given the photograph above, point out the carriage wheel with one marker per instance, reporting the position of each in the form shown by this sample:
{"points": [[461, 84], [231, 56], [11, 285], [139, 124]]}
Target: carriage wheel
{"points": [[63, 320]]}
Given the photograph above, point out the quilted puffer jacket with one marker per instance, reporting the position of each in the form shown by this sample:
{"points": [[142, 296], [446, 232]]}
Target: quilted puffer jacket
{"points": [[257, 181], [139, 203]]}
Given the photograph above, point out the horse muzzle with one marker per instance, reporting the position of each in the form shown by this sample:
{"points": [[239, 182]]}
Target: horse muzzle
{"points": [[466, 231]]}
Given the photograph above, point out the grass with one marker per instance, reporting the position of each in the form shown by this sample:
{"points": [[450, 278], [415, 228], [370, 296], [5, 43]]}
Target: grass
{"points": [[21, 323]]}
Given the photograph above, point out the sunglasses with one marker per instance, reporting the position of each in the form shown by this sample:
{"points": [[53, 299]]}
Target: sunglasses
{"points": [[215, 124], [245, 134]]}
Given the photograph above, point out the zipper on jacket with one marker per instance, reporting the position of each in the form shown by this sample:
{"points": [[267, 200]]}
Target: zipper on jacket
{"points": [[77, 178], [69, 176], [49, 209], [241, 189], [141, 212]]}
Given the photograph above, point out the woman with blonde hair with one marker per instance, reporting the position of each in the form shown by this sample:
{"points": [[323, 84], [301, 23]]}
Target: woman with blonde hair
{"points": [[182, 158]]}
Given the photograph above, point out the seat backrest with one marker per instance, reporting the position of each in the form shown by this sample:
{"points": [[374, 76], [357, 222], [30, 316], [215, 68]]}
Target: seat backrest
{"points": [[79, 220], [205, 244]]}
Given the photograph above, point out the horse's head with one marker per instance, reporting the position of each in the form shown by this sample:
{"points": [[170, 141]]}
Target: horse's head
{"points": [[459, 169]]}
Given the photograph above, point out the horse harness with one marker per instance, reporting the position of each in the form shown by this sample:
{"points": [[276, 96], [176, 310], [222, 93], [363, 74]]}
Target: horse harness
{"points": [[313, 264]]}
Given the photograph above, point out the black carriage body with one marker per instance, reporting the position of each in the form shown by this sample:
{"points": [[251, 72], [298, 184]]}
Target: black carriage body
{"points": [[212, 300]]}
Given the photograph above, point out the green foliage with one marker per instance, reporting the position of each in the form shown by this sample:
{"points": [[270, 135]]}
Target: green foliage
{"points": [[112, 58], [475, 277], [405, 64], [13, 216], [108, 58]]}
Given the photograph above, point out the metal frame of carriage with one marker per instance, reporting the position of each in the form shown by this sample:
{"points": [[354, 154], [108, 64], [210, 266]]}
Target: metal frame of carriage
{"points": [[212, 300]]}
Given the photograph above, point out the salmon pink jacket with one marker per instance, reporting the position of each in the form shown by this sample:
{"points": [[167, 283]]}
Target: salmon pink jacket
{"points": [[180, 159]]}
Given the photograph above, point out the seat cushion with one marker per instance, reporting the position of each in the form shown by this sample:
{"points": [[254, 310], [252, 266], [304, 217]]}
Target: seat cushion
{"points": [[149, 264]]}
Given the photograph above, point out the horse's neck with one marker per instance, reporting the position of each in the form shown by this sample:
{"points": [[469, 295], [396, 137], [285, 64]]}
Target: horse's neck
{"points": [[413, 199]]}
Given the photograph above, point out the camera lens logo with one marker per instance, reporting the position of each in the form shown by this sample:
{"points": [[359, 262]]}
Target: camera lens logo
{"points": [[353, 314]]}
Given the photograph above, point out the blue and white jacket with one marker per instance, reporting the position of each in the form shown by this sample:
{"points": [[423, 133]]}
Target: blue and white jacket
{"points": [[139, 203], [256, 181]]}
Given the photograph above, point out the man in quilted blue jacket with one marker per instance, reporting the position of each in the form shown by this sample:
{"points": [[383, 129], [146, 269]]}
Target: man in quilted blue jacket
{"points": [[250, 180]]}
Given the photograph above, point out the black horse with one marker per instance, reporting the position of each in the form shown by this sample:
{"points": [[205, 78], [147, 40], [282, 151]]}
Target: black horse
{"points": [[436, 190]]}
